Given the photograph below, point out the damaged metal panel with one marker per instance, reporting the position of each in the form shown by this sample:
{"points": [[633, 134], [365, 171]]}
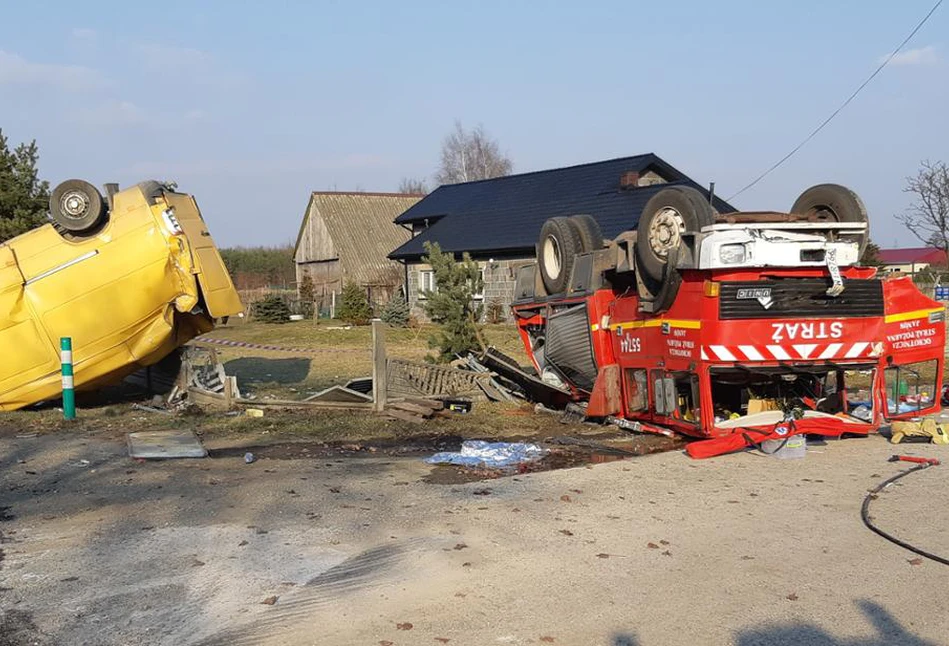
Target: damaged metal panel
{"points": [[569, 346]]}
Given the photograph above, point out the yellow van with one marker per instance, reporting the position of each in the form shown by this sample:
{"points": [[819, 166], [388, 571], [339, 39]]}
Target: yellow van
{"points": [[129, 277]]}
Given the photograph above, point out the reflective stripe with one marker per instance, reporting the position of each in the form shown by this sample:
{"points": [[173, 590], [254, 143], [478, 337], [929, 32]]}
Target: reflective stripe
{"points": [[856, 350], [907, 316], [751, 352], [67, 382], [704, 356], [805, 350], [66, 356], [675, 323], [779, 353], [722, 352], [831, 351]]}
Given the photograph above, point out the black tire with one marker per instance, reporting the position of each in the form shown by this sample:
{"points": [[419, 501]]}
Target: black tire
{"points": [[557, 249], [667, 215], [587, 229], [836, 202], [77, 206]]}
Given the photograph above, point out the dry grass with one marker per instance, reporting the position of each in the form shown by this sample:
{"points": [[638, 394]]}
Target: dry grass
{"points": [[334, 354]]}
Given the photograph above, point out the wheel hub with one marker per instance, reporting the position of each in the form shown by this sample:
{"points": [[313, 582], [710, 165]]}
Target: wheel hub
{"points": [[74, 204], [665, 231], [553, 257]]}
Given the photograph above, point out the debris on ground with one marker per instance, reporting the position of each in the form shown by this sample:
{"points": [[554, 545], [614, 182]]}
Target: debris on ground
{"points": [[478, 453], [162, 445]]}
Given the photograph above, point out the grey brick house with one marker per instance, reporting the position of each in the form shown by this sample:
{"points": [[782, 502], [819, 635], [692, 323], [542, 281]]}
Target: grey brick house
{"points": [[498, 220]]}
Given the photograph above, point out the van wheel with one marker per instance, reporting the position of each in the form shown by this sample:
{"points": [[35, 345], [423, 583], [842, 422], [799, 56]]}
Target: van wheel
{"points": [[556, 251], [838, 203], [588, 230], [77, 206], [668, 215]]}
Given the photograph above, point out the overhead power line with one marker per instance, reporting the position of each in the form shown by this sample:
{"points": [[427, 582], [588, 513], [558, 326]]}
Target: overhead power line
{"points": [[842, 105]]}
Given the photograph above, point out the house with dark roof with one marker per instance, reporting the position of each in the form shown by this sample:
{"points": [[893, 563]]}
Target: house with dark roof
{"points": [[498, 221], [345, 237], [911, 260]]}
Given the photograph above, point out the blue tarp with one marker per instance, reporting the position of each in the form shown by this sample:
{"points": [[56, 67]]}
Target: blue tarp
{"points": [[478, 453]]}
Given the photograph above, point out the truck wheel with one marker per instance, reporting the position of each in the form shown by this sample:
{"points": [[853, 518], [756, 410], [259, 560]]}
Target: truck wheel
{"points": [[667, 215], [839, 203], [558, 246], [77, 206], [588, 231]]}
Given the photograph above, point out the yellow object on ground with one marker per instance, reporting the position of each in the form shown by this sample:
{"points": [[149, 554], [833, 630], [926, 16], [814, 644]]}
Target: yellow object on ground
{"points": [[927, 427], [143, 280]]}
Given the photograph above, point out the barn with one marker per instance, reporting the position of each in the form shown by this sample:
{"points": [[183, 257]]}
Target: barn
{"points": [[345, 238]]}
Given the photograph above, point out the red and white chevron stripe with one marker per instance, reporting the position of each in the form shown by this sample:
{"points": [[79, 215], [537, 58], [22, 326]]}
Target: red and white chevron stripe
{"points": [[792, 352]]}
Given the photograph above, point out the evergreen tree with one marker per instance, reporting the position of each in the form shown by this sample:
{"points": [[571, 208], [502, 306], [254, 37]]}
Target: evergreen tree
{"points": [[452, 305], [871, 255], [307, 296], [396, 312], [272, 309], [354, 306], [24, 198]]}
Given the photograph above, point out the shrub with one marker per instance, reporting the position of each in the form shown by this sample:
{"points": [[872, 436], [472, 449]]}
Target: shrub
{"points": [[495, 312], [271, 309], [354, 306], [396, 312], [307, 296]]}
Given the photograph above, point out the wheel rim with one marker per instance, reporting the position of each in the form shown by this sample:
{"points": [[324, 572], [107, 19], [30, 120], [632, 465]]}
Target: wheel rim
{"points": [[74, 204], [553, 257], [665, 231]]}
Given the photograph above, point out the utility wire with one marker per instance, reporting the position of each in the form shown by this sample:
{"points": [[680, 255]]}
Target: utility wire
{"points": [[842, 105]]}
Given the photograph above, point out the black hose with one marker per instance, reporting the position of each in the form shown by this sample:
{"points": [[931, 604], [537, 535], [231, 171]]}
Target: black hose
{"points": [[865, 514]]}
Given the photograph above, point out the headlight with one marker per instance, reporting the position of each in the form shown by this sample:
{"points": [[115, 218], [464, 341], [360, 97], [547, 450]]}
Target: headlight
{"points": [[732, 254]]}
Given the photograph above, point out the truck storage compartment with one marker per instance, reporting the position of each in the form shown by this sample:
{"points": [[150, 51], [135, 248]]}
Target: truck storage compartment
{"points": [[569, 346]]}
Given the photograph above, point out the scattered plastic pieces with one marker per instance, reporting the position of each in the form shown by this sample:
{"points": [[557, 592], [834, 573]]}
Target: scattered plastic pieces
{"points": [[249, 457], [478, 453], [863, 412]]}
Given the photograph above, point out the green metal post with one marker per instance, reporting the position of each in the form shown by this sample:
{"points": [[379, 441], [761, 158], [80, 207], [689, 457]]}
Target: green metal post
{"points": [[69, 395]]}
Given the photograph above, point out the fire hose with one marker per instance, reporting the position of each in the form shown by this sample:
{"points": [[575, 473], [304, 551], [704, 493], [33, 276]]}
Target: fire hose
{"points": [[921, 463]]}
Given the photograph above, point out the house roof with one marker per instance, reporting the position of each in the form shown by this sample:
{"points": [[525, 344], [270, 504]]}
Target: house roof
{"points": [[928, 255], [505, 214], [361, 229]]}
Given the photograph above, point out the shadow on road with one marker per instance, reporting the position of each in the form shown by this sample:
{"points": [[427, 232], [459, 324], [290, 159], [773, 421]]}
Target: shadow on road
{"points": [[889, 632]]}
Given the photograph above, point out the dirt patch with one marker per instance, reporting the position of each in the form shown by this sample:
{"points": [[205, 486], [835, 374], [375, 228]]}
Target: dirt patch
{"points": [[17, 629]]}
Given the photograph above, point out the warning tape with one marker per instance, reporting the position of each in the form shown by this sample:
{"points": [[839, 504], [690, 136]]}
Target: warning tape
{"points": [[260, 346]]}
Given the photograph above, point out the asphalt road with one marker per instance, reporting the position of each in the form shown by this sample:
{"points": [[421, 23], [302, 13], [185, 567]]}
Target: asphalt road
{"points": [[656, 550]]}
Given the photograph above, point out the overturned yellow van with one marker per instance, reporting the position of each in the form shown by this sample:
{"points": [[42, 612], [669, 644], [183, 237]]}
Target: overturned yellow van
{"points": [[130, 277]]}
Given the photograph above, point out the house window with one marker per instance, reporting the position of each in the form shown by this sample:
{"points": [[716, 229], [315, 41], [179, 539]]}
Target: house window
{"points": [[426, 282], [480, 295]]}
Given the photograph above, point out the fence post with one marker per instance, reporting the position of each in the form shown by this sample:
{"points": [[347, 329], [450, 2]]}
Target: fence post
{"points": [[379, 385], [69, 395]]}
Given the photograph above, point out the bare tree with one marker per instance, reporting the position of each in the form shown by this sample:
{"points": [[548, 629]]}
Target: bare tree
{"points": [[928, 216], [413, 186], [471, 155]]}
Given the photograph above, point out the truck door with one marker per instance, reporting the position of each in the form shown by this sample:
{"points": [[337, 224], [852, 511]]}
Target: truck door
{"points": [[911, 388], [219, 294]]}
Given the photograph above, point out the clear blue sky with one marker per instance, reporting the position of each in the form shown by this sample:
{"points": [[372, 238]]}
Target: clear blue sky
{"points": [[251, 105]]}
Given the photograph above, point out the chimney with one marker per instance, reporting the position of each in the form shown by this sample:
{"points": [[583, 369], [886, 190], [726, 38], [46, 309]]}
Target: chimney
{"points": [[629, 179]]}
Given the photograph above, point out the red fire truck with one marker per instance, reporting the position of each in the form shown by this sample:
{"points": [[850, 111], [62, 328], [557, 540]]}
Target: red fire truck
{"points": [[735, 327]]}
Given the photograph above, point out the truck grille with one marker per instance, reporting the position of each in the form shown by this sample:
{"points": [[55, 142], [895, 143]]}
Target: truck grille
{"points": [[799, 298]]}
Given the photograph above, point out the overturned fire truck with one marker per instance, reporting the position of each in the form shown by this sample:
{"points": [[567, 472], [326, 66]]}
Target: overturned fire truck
{"points": [[736, 328]]}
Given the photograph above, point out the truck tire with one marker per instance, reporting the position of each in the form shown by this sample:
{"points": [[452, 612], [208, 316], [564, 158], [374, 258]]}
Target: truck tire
{"points": [[587, 229], [667, 215], [556, 251], [77, 206], [839, 203]]}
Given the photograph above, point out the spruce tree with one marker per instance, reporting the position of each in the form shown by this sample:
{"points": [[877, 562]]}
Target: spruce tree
{"points": [[396, 312], [354, 306], [452, 304]]}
